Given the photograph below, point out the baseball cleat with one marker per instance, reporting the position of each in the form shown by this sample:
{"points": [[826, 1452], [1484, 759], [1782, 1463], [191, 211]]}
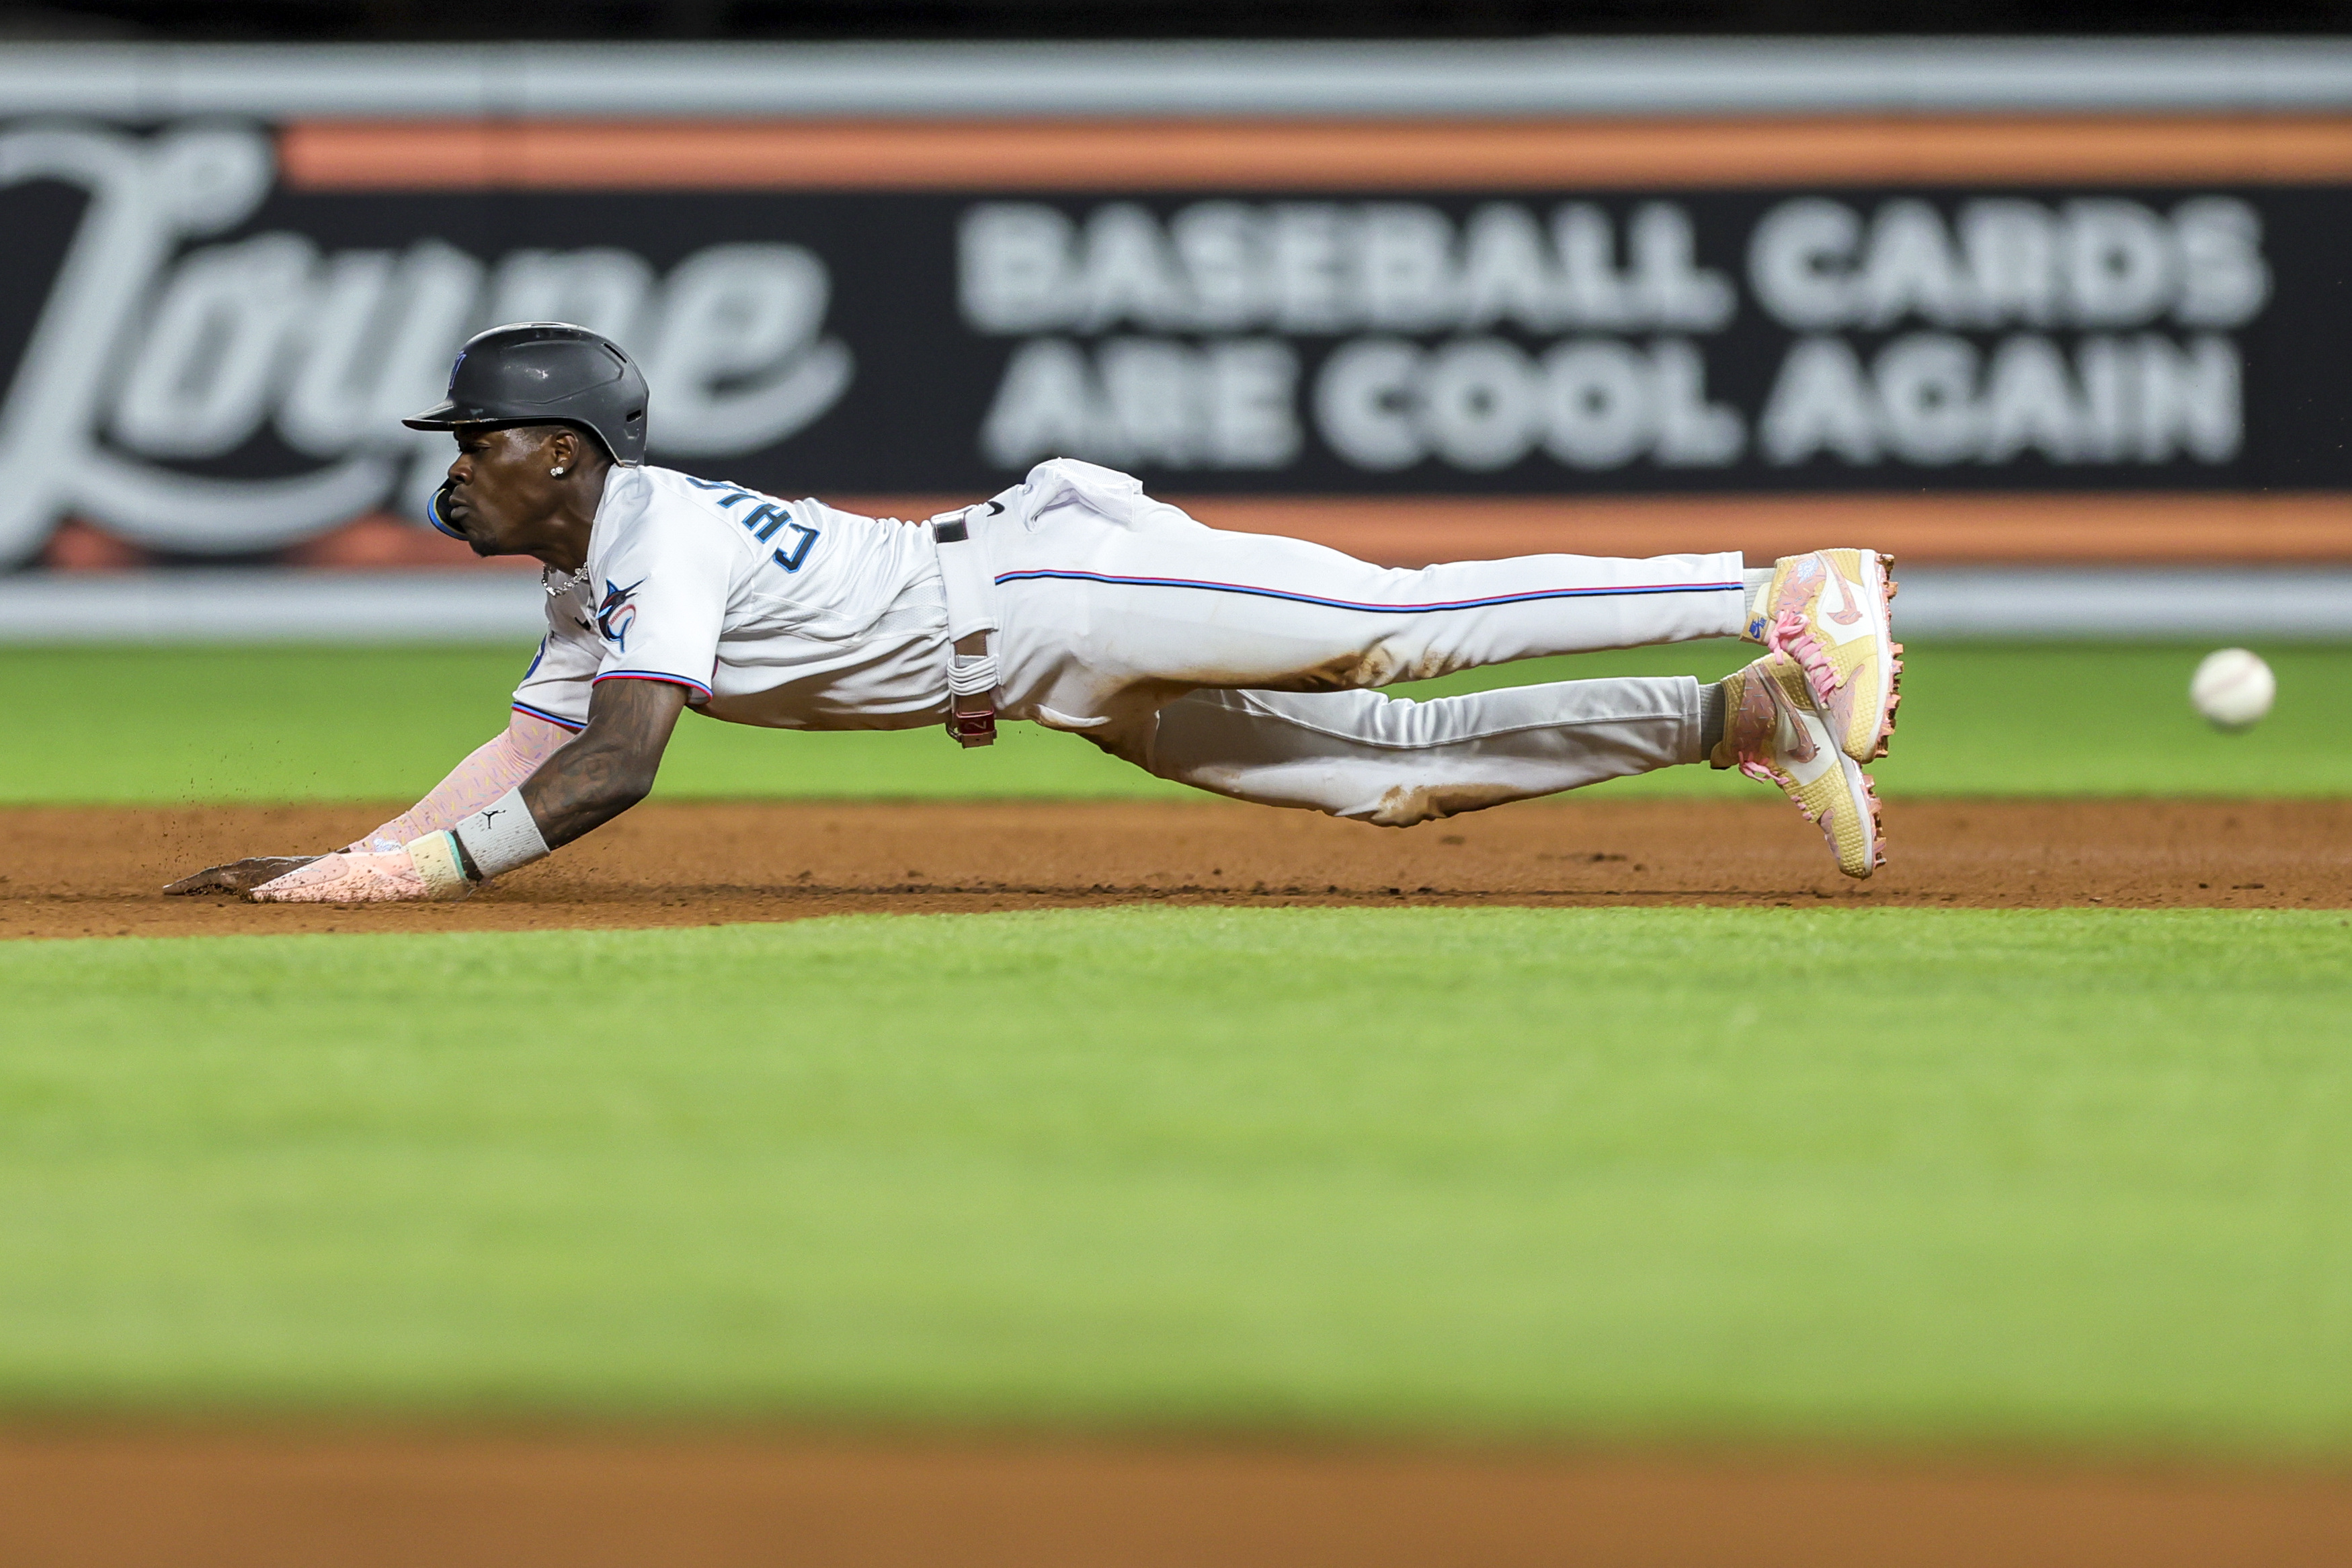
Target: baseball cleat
{"points": [[1831, 611], [1772, 732]]}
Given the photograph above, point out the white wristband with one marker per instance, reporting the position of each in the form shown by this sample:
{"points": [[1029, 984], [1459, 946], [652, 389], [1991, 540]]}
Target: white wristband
{"points": [[435, 856], [501, 836]]}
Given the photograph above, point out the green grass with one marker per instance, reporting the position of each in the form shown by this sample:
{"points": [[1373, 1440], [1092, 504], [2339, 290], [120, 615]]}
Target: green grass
{"points": [[2059, 1178], [148, 725]]}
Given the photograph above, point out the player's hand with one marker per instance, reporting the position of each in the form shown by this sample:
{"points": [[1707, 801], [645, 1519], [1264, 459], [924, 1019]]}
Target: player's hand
{"points": [[360, 876], [240, 876]]}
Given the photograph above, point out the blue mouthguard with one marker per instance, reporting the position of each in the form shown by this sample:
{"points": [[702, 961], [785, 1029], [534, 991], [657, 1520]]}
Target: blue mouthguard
{"points": [[433, 514]]}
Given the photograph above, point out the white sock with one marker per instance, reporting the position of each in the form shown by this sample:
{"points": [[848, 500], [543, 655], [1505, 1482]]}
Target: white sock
{"points": [[1758, 582]]}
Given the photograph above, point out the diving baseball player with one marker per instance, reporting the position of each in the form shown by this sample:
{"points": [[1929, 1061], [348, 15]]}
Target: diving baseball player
{"points": [[1239, 664]]}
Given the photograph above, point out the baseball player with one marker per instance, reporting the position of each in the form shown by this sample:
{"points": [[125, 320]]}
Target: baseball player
{"points": [[1239, 664]]}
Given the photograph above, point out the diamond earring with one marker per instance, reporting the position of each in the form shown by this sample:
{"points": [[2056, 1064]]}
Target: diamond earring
{"points": [[555, 473]]}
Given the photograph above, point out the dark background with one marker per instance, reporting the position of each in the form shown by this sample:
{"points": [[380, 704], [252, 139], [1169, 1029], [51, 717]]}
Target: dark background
{"points": [[909, 422], [356, 21]]}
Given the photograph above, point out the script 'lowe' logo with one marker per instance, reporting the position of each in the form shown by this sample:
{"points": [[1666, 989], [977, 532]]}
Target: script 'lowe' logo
{"points": [[279, 371]]}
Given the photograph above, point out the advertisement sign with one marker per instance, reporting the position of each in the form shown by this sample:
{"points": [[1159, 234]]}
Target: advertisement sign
{"points": [[209, 328]]}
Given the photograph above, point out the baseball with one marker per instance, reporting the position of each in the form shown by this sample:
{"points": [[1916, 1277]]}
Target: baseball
{"points": [[2233, 688]]}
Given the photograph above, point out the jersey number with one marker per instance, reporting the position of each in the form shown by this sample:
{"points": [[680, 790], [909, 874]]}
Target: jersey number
{"points": [[764, 521]]}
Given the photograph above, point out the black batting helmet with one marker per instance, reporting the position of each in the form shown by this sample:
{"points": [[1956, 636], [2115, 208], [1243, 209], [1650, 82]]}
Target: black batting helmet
{"points": [[545, 372]]}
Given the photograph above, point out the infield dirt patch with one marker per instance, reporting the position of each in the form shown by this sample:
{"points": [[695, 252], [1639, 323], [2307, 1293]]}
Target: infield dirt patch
{"points": [[197, 1501], [81, 871]]}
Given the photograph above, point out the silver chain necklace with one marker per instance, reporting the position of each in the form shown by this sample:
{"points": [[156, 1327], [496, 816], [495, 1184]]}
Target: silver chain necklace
{"points": [[559, 583]]}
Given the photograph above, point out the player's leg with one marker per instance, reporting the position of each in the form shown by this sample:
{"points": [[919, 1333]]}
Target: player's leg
{"points": [[1111, 600], [1395, 762]]}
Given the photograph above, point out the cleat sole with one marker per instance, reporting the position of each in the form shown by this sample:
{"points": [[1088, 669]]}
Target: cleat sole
{"points": [[1877, 824], [1894, 699], [1888, 588]]}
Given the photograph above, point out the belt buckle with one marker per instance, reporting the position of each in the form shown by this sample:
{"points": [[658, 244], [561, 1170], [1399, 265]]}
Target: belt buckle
{"points": [[973, 727]]}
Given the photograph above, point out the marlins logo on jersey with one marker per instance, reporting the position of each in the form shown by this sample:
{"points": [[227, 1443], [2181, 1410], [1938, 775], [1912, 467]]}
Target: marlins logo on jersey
{"points": [[617, 613]]}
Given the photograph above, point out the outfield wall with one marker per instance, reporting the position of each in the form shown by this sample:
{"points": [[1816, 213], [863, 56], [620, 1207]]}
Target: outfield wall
{"points": [[2067, 304]]}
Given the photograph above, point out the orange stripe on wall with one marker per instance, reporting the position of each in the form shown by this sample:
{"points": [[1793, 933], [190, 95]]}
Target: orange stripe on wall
{"points": [[995, 155], [2169, 529]]}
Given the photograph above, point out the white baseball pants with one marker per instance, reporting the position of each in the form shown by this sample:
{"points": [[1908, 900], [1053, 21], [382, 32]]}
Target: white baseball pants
{"points": [[1239, 663]]}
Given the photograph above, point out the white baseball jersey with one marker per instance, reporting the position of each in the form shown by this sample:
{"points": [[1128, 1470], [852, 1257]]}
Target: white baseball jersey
{"points": [[790, 614]]}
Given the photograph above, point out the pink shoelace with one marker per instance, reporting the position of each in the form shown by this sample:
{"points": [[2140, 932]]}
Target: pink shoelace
{"points": [[1789, 633]]}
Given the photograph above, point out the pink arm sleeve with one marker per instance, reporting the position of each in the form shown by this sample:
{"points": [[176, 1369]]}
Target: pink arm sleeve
{"points": [[489, 772]]}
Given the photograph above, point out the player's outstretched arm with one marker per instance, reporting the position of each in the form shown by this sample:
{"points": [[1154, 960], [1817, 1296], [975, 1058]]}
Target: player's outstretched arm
{"points": [[591, 780], [488, 772], [610, 766]]}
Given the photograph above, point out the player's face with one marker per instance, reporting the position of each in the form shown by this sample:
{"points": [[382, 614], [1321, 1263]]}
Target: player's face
{"points": [[500, 494]]}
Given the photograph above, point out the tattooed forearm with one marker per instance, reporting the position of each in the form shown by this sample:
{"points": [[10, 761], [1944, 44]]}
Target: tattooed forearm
{"points": [[610, 767]]}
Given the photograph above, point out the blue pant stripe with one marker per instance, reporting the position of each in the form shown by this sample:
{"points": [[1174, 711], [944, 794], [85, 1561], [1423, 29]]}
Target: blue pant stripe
{"points": [[1530, 596]]}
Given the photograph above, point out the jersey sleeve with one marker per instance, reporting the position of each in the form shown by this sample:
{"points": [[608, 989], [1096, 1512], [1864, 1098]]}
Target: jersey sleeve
{"points": [[660, 603], [557, 685]]}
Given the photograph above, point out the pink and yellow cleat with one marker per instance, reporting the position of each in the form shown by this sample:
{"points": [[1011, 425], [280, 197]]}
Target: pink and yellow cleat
{"points": [[1832, 611], [1773, 731]]}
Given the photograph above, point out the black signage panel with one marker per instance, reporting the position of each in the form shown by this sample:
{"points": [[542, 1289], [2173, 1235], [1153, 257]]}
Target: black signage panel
{"points": [[205, 361]]}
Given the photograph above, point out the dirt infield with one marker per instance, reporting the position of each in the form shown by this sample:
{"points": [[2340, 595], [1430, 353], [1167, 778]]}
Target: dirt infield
{"points": [[193, 1501], [79, 872]]}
